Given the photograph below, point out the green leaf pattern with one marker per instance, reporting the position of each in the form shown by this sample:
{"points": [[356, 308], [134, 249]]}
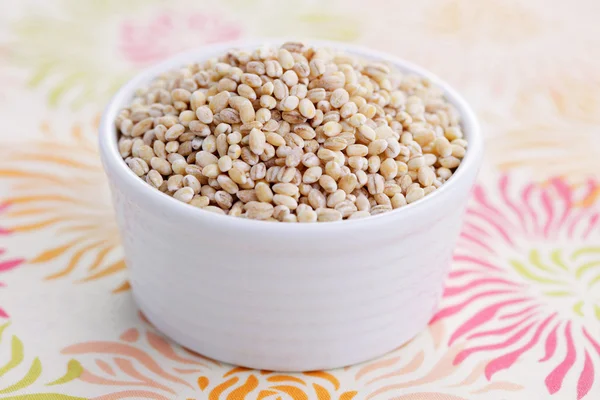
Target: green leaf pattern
{"points": [[21, 385]]}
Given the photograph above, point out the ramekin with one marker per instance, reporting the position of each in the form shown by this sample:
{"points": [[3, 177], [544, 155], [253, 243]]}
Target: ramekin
{"points": [[281, 296]]}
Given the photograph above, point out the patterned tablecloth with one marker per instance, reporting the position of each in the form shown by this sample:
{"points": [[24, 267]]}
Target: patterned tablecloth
{"points": [[521, 314]]}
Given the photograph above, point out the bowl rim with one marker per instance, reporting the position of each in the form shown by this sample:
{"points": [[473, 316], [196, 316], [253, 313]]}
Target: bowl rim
{"points": [[113, 162]]}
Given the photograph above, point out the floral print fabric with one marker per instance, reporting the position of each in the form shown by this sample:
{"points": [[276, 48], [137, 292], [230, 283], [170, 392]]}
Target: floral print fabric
{"points": [[520, 317]]}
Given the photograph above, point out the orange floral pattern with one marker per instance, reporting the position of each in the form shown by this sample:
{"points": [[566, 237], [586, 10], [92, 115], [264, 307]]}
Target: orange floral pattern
{"points": [[58, 188], [541, 151], [242, 383]]}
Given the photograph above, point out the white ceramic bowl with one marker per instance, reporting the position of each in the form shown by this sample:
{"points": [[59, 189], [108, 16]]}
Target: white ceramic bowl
{"points": [[279, 296]]}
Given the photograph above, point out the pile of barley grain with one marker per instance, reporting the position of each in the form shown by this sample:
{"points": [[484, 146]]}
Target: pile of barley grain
{"points": [[295, 134]]}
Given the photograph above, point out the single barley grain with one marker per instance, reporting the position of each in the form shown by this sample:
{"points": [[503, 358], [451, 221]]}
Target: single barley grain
{"points": [[184, 194]]}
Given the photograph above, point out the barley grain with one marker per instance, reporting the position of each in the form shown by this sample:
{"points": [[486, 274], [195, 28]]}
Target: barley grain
{"points": [[294, 134]]}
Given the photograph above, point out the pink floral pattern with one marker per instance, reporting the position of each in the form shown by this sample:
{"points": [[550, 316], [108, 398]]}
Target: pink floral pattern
{"points": [[148, 41], [525, 281], [140, 364], [6, 263]]}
